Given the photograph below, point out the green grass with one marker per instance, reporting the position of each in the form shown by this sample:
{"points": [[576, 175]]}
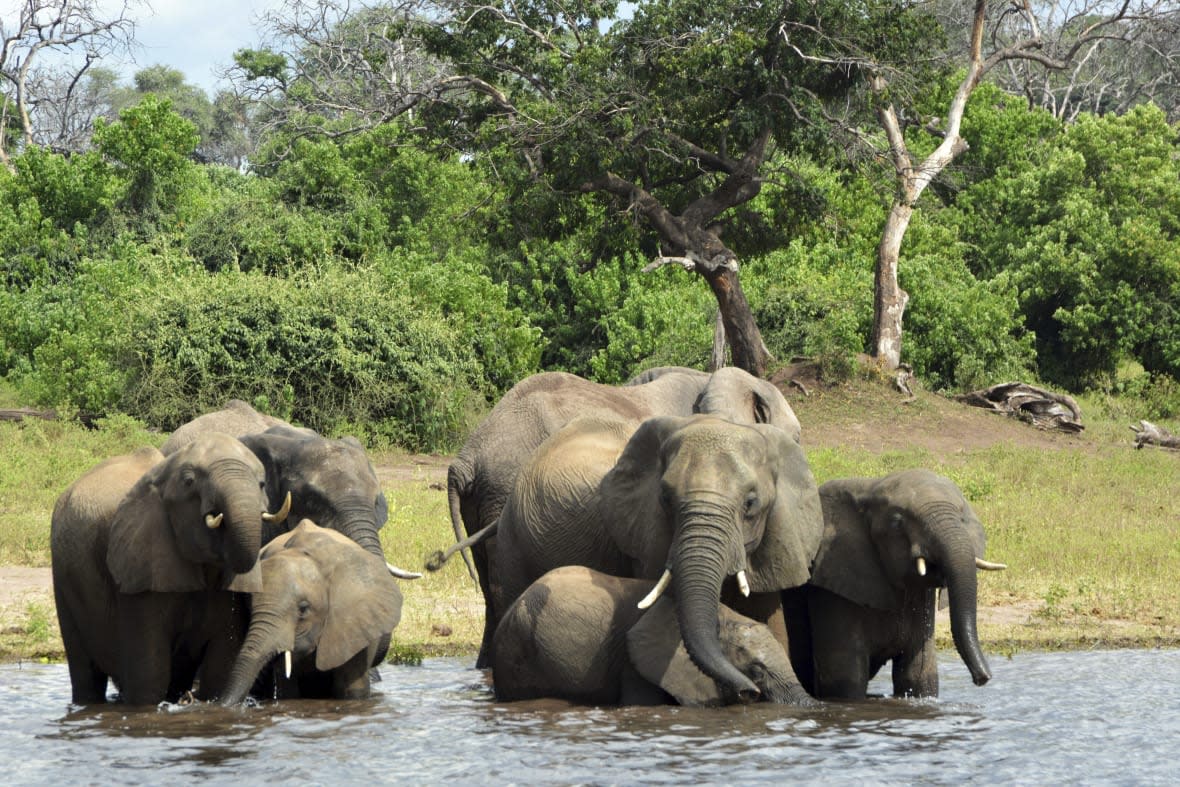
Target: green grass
{"points": [[1089, 527]]}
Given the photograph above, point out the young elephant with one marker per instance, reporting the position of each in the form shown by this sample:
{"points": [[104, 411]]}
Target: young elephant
{"points": [[328, 605], [578, 634], [145, 550], [889, 544]]}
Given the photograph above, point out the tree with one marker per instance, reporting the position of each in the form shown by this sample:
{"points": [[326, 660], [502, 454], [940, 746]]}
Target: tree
{"points": [[1045, 35], [670, 113], [56, 27]]}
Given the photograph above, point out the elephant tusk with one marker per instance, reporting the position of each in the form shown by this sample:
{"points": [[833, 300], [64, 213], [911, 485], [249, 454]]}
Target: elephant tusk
{"points": [[281, 514], [401, 573], [214, 522], [921, 566], [655, 593], [743, 583], [985, 565], [287, 663]]}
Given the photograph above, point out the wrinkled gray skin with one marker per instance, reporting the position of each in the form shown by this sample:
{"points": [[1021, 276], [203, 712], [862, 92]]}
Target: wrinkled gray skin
{"points": [[579, 635], [140, 579], [327, 601], [867, 604], [698, 495], [481, 476], [331, 482], [235, 419]]}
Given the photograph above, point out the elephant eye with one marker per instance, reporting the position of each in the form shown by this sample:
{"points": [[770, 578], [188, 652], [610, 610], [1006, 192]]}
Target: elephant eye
{"points": [[304, 608], [751, 505], [895, 520]]}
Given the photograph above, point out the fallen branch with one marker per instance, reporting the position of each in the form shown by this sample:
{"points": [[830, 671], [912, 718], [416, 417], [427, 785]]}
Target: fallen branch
{"points": [[1148, 433], [1042, 408], [21, 413]]}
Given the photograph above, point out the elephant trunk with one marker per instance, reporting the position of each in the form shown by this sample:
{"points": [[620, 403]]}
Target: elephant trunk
{"points": [[359, 522], [269, 635], [958, 561], [241, 511], [697, 561]]}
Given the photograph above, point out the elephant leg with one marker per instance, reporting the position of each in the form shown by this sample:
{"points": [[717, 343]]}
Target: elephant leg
{"points": [[915, 672], [88, 682], [145, 649], [799, 638], [841, 648], [484, 557], [351, 679]]}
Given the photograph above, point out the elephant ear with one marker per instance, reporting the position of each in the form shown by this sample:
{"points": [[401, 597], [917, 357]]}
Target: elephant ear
{"points": [[736, 395], [142, 553], [632, 490], [848, 563], [794, 525], [657, 652], [364, 602]]}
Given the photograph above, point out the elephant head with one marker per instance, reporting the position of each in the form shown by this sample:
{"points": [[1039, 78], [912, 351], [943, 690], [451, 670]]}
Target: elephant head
{"points": [[698, 500], [331, 482], [322, 594], [656, 651], [912, 528], [200, 509], [736, 395]]}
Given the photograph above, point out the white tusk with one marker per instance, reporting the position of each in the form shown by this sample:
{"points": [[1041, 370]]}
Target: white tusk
{"points": [[214, 522], [287, 662], [985, 565], [281, 514], [401, 573], [921, 566], [655, 593], [743, 583]]}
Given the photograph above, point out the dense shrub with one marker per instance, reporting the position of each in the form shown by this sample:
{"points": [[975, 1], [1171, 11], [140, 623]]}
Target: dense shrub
{"points": [[330, 349]]}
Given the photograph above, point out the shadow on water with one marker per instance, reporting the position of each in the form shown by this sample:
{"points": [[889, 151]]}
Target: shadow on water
{"points": [[1043, 718]]}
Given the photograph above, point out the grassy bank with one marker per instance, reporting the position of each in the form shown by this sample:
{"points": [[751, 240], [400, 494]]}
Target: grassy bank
{"points": [[1089, 526]]}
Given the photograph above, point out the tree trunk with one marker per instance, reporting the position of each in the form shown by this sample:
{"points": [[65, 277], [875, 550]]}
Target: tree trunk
{"points": [[889, 299], [744, 338]]}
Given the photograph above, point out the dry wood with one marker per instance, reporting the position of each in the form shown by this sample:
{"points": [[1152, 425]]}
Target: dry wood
{"points": [[1042, 408], [21, 413], [1147, 433]]}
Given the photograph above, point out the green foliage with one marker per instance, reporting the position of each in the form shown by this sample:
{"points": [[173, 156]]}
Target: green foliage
{"points": [[1088, 235], [149, 148], [340, 347]]}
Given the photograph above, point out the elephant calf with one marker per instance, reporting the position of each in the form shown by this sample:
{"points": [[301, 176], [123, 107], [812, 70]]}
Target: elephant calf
{"points": [[889, 545], [578, 634], [328, 605]]}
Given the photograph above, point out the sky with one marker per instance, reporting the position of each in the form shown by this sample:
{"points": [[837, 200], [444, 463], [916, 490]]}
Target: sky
{"points": [[194, 36]]}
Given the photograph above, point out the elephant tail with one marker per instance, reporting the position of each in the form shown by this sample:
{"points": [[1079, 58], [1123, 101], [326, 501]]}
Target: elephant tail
{"points": [[437, 559], [456, 486]]}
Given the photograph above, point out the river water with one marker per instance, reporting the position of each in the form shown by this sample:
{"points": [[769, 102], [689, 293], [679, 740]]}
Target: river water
{"points": [[1100, 717]]}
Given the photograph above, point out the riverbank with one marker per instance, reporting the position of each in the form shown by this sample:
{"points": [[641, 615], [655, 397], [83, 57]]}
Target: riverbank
{"points": [[1088, 525]]}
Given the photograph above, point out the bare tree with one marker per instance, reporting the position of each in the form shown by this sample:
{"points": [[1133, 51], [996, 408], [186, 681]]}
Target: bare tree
{"points": [[41, 47], [1020, 35]]}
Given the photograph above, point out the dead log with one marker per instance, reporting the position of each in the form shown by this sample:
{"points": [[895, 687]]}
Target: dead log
{"points": [[1148, 433], [21, 413], [1042, 408]]}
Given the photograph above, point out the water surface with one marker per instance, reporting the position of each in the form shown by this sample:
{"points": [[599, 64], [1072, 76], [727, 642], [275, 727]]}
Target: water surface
{"points": [[1103, 717]]}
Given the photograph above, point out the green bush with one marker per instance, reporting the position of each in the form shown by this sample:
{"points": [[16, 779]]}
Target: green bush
{"points": [[335, 348]]}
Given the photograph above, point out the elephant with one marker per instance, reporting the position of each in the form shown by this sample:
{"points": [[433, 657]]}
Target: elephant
{"points": [[145, 551], [331, 482], [889, 545], [236, 418], [690, 500], [480, 478], [579, 635], [327, 604]]}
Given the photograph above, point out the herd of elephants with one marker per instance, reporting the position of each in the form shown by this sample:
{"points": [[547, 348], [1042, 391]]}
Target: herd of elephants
{"points": [[654, 542]]}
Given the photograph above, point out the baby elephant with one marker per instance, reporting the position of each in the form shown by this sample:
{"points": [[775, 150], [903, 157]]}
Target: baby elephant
{"points": [[326, 605], [580, 635], [889, 545]]}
